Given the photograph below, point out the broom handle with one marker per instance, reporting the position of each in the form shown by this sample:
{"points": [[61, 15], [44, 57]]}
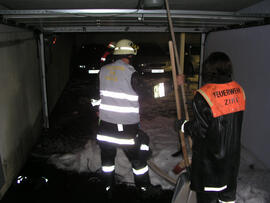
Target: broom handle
{"points": [[180, 71], [178, 107], [179, 67]]}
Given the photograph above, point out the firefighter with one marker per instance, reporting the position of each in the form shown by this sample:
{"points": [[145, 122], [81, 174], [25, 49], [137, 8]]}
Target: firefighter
{"points": [[218, 108], [119, 116]]}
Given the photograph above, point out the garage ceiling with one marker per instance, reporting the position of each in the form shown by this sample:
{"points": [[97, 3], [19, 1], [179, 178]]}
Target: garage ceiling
{"points": [[127, 15], [214, 5]]}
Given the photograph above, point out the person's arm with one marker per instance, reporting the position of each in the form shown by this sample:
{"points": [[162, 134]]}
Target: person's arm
{"points": [[202, 117], [136, 82]]}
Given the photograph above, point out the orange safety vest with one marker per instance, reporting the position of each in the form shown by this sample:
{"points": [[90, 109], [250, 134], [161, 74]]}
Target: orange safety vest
{"points": [[224, 98]]}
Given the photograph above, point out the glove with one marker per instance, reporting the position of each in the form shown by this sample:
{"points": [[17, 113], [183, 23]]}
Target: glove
{"points": [[180, 124], [145, 151], [95, 102]]}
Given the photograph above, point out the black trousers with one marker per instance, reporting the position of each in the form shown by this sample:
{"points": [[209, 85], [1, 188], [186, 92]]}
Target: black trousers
{"points": [[227, 195], [109, 149]]}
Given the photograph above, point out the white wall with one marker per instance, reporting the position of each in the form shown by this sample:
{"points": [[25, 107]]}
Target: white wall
{"points": [[20, 99], [262, 7], [249, 50]]}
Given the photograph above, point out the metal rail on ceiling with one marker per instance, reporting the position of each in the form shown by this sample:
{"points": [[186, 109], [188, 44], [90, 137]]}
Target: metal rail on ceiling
{"points": [[92, 20]]}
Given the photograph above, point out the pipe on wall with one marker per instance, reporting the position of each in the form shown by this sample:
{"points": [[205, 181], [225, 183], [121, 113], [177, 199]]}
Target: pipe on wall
{"points": [[43, 81], [203, 36]]}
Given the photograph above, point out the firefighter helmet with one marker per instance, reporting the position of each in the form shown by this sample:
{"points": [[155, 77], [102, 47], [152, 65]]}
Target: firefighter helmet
{"points": [[125, 47]]}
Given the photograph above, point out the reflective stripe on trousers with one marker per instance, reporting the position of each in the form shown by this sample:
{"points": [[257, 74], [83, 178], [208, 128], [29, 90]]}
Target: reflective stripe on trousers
{"points": [[215, 189], [140, 171], [108, 169], [115, 140], [220, 201], [144, 147]]}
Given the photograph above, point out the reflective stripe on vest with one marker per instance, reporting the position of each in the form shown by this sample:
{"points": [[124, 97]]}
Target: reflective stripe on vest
{"points": [[119, 109], [215, 189], [140, 171], [119, 95], [224, 98], [114, 140]]}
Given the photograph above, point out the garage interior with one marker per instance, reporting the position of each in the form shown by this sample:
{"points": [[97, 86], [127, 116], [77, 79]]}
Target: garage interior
{"points": [[39, 38]]}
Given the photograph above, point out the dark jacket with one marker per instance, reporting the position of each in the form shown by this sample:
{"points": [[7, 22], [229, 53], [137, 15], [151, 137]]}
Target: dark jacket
{"points": [[216, 147]]}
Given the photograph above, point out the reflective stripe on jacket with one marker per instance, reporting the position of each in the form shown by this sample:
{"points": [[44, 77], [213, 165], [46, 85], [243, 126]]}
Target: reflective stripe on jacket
{"points": [[224, 98], [119, 102]]}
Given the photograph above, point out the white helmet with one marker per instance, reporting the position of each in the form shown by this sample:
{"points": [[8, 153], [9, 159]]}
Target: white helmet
{"points": [[125, 47]]}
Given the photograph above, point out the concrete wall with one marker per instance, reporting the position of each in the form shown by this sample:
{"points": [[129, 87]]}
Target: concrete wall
{"points": [[20, 99], [249, 51], [21, 95], [58, 58]]}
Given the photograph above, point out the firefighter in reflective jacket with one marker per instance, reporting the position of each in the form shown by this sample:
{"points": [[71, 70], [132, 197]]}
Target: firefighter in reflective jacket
{"points": [[218, 110], [119, 116]]}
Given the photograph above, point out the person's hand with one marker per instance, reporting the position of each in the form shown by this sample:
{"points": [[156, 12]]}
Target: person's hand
{"points": [[180, 79]]}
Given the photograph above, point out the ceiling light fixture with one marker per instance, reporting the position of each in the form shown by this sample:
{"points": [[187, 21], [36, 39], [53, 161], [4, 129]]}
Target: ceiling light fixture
{"points": [[152, 4]]}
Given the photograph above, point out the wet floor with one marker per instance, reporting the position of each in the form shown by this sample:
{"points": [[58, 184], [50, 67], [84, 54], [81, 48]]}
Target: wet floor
{"points": [[72, 124], [42, 183]]}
